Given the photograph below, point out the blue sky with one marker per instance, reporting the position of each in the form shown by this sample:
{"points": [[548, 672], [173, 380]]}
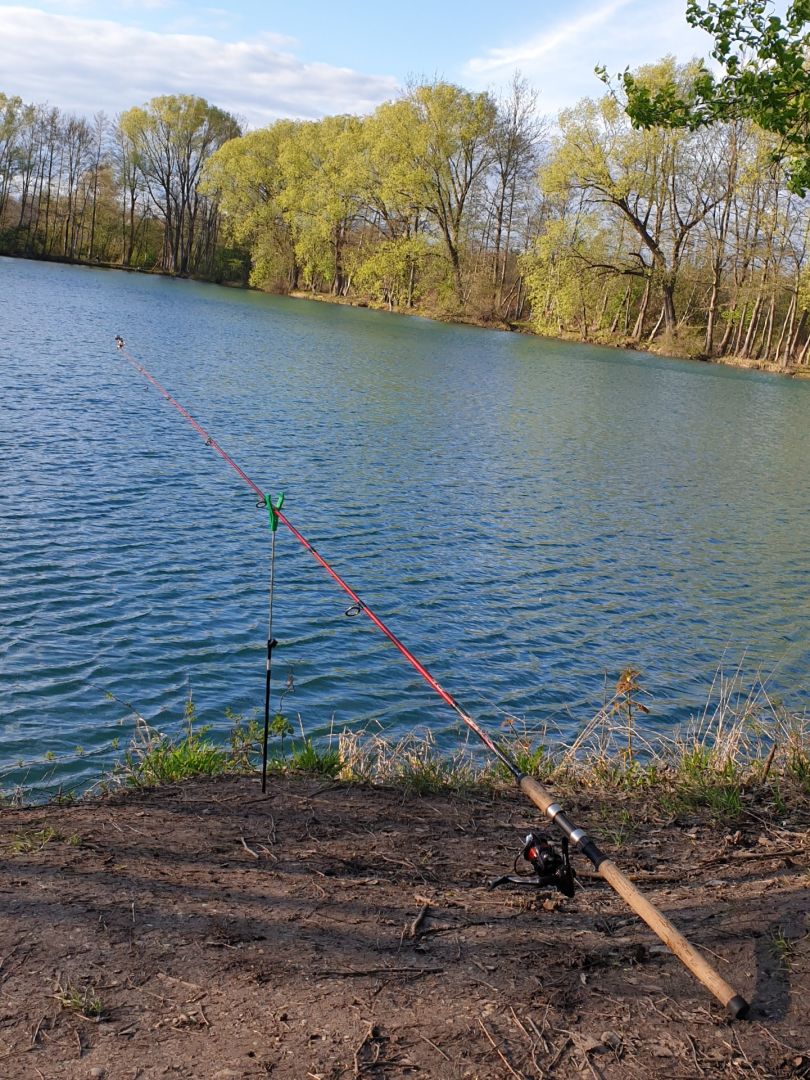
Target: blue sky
{"points": [[265, 60]]}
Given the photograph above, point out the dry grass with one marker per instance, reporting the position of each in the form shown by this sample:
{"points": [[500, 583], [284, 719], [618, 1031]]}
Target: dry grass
{"points": [[743, 747]]}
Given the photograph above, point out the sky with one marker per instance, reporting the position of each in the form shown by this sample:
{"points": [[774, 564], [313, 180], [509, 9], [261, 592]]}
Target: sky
{"points": [[265, 60]]}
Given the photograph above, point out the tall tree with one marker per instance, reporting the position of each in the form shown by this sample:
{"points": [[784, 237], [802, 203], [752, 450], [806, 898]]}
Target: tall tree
{"points": [[173, 137], [446, 151], [246, 179], [515, 141], [766, 77]]}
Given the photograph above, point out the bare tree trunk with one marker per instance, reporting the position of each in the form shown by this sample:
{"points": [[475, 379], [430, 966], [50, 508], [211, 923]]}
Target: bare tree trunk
{"points": [[642, 312], [787, 329], [797, 333], [752, 326], [657, 326], [721, 348], [740, 326], [765, 345], [708, 342], [624, 301]]}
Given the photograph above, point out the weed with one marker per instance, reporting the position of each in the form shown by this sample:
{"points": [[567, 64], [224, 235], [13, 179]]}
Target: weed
{"points": [[308, 758], [162, 760], [170, 762], [414, 762], [797, 763], [624, 702], [617, 829], [280, 727], [783, 948], [529, 754], [84, 1001], [30, 840], [245, 739]]}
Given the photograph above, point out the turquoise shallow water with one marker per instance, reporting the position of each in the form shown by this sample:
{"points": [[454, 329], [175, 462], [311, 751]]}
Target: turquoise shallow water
{"points": [[529, 516]]}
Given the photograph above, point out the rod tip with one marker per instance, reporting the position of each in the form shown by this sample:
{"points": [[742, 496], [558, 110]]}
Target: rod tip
{"points": [[738, 1007]]}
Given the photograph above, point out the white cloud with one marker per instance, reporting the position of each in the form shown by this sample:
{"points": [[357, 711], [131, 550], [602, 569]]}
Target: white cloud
{"points": [[548, 43], [560, 60], [85, 65]]}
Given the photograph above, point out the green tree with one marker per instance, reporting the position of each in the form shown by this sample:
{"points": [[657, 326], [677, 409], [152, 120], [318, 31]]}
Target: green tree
{"points": [[323, 178], [173, 136], [766, 77], [660, 183], [245, 177], [443, 139], [10, 123]]}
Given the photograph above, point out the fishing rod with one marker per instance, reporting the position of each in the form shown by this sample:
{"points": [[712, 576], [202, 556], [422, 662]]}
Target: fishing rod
{"points": [[542, 798]]}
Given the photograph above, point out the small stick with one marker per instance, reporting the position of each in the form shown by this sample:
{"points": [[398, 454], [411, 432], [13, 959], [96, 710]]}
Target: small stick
{"points": [[768, 762], [693, 1048], [249, 850], [498, 1050], [560, 1053], [413, 929], [378, 971], [430, 1042], [368, 1035]]}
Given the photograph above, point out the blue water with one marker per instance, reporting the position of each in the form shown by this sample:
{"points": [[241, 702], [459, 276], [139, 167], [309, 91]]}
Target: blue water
{"points": [[529, 516]]}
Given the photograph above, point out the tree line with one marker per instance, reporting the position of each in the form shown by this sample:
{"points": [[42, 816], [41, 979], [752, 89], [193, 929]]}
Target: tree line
{"points": [[445, 201], [123, 192]]}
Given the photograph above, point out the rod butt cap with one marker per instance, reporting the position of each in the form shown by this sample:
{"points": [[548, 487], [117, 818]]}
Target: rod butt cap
{"points": [[738, 1007]]}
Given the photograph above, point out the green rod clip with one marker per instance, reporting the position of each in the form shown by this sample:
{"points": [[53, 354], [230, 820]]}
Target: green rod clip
{"points": [[273, 509]]}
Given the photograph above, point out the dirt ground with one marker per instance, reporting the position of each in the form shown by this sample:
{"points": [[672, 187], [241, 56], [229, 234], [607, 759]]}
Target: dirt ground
{"points": [[329, 931]]}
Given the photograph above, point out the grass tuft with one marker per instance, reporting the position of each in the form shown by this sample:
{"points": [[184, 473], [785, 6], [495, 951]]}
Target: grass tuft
{"points": [[412, 762], [30, 840], [84, 1001]]}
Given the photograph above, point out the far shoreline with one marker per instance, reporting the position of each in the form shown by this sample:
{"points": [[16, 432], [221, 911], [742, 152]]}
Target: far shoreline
{"points": [[740, 363]]}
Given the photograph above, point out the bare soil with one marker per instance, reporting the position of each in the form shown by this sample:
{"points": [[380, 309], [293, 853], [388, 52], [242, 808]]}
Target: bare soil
{"points": [[330, 931]]}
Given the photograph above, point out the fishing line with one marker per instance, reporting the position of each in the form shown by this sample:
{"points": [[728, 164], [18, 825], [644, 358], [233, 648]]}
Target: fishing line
{"points": [[358, 606], [531, 788]]}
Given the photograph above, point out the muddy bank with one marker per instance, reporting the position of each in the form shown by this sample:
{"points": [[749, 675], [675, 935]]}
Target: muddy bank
{"points": [[333, 931]]}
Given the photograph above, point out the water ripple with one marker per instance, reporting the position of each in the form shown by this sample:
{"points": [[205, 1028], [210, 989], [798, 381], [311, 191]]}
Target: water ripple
{"points": [[529, 516]]}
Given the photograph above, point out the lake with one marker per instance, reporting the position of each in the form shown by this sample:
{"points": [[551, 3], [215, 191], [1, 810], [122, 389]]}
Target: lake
{"points": [[529, 517]]}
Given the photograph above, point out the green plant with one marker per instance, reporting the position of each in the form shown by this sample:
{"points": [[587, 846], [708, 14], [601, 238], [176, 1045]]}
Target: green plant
{"points": [[245, 739], [28, 840], [625, 701], [162, 760], [797, 763], [308, 758], [524, 749], [783, 948], [169, 761], [84, 1001], [280, 727], [617, 828], [64, 798]]}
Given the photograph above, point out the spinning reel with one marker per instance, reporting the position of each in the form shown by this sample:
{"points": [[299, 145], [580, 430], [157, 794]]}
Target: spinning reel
{"points": [[552, 868]]}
